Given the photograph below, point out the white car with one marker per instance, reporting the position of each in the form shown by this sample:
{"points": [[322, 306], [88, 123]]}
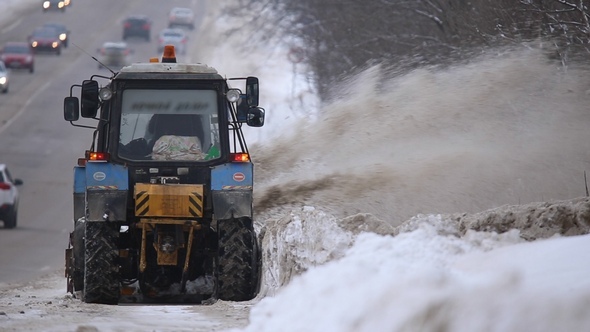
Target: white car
{"points": [[3, 78], [175, 37], [181, 17], [8, 197], [114, 55]]}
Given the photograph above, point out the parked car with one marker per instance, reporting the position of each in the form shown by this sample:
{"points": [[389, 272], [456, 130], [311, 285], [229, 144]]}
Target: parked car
{"points": [[54, 5], [181, 17], [62, 30], [114, 55], [18, 55], [137, 26], [46, 39], [3, 78], [176, 37], [8, 197]]}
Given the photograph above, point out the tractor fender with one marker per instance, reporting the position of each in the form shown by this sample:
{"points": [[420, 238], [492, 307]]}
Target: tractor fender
{"points": [[231, 190], [107, 187]]}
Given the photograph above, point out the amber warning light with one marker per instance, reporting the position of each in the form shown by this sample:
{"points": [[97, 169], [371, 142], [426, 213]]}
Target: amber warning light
{"points": [[169, 55]]}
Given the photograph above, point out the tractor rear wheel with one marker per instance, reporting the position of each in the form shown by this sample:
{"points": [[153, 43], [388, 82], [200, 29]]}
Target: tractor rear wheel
{"points": [[101, 270], [238, 260]]}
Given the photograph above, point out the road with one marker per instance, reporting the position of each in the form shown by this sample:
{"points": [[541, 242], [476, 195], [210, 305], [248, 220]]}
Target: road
{"points": [[37, 144]]}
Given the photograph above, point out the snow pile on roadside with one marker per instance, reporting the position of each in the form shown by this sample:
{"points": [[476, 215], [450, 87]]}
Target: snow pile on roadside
{"points": [[429, 279], [297, 242], [304, 238], [534, 220], [301, 239]]}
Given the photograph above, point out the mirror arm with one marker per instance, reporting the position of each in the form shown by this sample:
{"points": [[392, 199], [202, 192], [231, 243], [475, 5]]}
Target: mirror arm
{"points": [[81, 126]]}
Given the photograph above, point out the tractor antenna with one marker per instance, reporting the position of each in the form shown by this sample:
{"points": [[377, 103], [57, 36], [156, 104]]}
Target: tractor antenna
{"points": [[95, 59]]}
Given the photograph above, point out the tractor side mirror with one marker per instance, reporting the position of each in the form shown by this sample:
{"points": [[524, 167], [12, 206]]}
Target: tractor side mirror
{"points": [[252, 91], [242, 109], [90, 100], [71, 109], [255, 117]]}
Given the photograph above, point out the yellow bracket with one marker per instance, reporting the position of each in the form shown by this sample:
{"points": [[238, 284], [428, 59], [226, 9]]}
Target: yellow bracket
{"points": [[148, 224]]}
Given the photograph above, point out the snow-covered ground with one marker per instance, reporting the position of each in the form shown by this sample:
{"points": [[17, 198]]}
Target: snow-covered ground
{"points": [[388, 209]]}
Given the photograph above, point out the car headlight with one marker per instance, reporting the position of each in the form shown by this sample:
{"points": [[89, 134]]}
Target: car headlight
{"points": [[46, 4], [54, 44], [34, 44], [3, 80], [62, 36]]}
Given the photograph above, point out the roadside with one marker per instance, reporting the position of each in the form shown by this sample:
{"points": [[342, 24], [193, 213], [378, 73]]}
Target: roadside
{"points": [[11, 12]]}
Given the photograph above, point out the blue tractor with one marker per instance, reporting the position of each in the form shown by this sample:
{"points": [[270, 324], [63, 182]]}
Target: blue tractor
{"points": [[163, 197]]}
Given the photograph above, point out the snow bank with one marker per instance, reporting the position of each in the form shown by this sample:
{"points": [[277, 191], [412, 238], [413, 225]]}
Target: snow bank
{"points": [[426, 281]]}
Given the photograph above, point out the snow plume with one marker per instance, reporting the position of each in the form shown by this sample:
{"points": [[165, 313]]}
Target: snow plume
{"points": [[366, 206], [495, 135], [506, 128]]}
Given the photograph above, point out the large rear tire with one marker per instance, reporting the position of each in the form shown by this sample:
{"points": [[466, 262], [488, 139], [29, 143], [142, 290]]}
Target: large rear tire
{"points": [[101, 270], [238, 260]]}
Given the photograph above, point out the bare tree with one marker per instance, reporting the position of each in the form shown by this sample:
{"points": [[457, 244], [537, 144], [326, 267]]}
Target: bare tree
{"points": [[343, 36]]}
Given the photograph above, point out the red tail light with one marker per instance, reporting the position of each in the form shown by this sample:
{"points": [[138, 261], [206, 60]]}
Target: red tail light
{"points": [[239, 157], [97, 156], [146, 27], [5, 186], [127, 25]]}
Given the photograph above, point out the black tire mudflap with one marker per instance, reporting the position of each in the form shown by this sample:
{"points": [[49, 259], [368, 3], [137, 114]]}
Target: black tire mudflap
{"points": [[78, 247]]}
